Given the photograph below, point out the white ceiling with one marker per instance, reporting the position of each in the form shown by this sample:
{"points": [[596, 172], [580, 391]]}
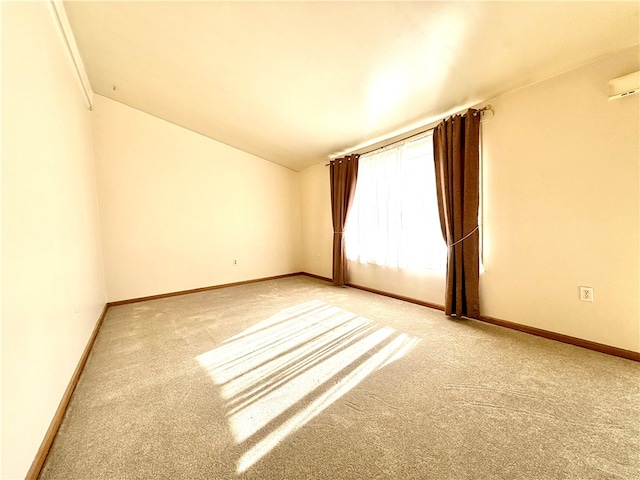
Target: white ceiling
{"points": [[295, 82]]}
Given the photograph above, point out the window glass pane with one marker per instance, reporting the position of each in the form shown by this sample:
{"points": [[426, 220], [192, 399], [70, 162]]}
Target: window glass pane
{"points": [[394, 219]]}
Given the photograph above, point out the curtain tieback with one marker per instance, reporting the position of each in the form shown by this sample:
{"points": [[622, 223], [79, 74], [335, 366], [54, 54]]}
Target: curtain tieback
{"points": [[465, 237]]}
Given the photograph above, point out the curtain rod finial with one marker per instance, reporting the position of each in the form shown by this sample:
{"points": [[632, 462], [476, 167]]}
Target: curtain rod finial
{"points": [[486, 113]]}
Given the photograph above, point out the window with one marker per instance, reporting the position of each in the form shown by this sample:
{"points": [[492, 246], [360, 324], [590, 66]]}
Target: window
{"points": [[394, 219]]}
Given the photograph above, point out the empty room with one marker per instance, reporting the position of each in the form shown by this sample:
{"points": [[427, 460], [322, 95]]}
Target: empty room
{"points": [[320, 240]]}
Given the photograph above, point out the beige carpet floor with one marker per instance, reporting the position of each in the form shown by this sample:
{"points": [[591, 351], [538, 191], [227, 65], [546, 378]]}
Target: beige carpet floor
{"points": [[297, 379]]}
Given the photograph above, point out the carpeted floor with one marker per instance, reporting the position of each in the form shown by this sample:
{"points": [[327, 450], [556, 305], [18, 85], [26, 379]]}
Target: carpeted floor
{"points": [[297, 379]]}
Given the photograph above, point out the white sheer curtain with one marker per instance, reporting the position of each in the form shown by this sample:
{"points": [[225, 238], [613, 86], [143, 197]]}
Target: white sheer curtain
{"points": [[394, 218]]}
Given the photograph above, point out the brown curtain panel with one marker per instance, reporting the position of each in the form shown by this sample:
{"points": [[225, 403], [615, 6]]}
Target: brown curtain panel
{"points": [[456, 145], [344, 172]]}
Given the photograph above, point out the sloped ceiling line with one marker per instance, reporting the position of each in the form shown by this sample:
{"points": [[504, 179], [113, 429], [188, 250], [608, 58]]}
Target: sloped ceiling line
{"points": [[297, 82]]}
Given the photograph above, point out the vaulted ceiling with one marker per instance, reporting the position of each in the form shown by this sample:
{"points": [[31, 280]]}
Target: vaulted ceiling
{"points": [[295, 82]]}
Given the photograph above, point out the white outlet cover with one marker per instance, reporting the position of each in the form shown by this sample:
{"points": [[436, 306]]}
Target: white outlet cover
{"points": [[586, 294]]}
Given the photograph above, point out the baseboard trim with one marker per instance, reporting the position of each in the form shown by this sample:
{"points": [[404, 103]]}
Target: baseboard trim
{"points": [[313, 275], [43, 451], [559, 337], [397, 297], [198, 290], [538, 332]]}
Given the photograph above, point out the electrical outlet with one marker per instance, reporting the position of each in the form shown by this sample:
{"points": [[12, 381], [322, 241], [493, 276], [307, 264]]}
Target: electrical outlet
{"points": [[586, 294], [235, 262]]}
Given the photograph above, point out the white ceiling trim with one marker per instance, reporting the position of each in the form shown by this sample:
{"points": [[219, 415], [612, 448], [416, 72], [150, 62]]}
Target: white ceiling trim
{"points": [[69, 40]]}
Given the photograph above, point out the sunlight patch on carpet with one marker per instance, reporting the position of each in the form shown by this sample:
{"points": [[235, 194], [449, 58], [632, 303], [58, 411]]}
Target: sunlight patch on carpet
{"points": [[280, 373]]}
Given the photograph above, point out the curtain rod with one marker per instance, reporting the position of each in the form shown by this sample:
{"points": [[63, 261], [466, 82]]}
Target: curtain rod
{"points": [[486, 108], [399, 141]]}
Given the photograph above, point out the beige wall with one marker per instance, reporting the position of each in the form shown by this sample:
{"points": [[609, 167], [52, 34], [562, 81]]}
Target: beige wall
{"points": [[561, 209], [52, 280], [561, 187], [177, 207], [316, 225]]}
